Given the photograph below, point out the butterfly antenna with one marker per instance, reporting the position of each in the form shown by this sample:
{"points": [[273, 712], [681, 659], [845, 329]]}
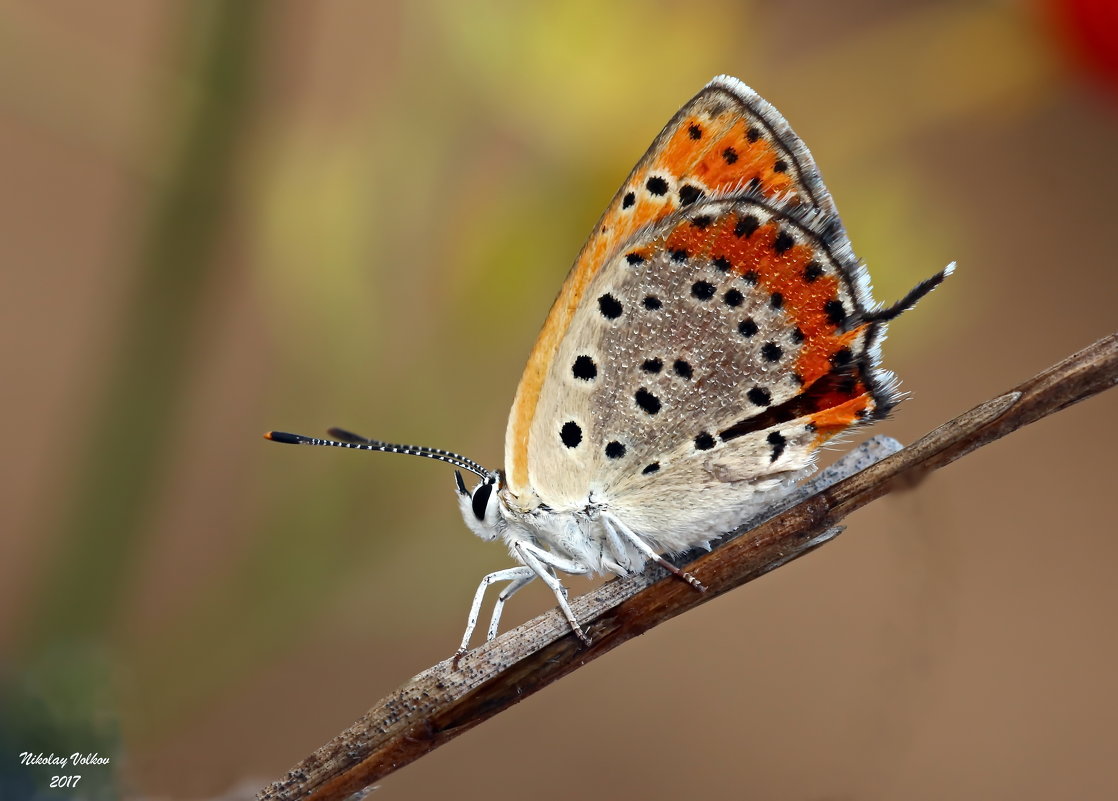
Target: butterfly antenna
{"points": [[420, 450], [911, 299], [347, 439]]}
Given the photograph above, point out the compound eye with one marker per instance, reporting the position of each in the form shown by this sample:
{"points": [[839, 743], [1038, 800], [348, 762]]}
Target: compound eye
{"points": [[480, 501]]}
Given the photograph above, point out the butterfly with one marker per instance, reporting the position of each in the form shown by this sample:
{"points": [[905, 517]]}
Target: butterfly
{"points": [[715, 332]]}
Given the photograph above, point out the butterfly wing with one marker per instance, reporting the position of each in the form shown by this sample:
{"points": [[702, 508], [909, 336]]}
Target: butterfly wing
{"points": [[712, 357], [726, 140]]}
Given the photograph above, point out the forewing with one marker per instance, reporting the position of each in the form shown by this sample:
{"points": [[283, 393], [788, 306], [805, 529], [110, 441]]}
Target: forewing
{"points": [[726, 140]]}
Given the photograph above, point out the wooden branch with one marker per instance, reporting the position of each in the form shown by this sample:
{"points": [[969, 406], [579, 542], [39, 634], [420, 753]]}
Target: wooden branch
{"points": [[442, 702]]}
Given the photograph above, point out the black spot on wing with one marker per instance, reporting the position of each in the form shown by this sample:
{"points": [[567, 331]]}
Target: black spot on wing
{"points": [[571, 434], [777, 440], [584, 368], [688, 194], [841, 358], [648, 402], [759, 396], [771, 352], [835, 311], [703, 290], [783, 242], [746, 226], [609, 306]]}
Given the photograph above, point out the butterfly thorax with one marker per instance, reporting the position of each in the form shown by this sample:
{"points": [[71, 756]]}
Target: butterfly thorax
{"points": [[577, 535]]}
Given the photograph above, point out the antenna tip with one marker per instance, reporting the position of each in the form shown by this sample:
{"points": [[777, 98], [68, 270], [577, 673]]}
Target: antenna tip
{"points": [[283, 436]]}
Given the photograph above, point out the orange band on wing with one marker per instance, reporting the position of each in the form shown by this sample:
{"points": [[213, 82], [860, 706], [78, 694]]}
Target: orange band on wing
{"points": [[787, 273], [836, 419]]}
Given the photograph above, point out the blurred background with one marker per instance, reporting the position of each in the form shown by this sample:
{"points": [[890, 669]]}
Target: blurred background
{"points": [[218, 218]]}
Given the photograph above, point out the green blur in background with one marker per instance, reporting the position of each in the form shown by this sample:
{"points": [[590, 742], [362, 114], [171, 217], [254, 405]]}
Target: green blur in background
{"points": [[225, 217]]}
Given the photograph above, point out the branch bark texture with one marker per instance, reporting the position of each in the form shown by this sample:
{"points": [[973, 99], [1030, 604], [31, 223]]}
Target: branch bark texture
{"points": [[442, 702]]}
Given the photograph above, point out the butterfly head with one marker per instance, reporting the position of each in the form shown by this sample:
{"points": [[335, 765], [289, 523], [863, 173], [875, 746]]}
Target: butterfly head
{"points": [[481, 507]]}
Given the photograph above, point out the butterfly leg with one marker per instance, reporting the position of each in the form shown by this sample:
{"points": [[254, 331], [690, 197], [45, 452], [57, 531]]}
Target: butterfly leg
{"points": [[620, 553], [541, 561], [504, 595], [613, 523], [513, 574]]}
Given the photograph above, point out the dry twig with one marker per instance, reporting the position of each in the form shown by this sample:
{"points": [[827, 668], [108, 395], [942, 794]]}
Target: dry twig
{"points": [[441, 702]]}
